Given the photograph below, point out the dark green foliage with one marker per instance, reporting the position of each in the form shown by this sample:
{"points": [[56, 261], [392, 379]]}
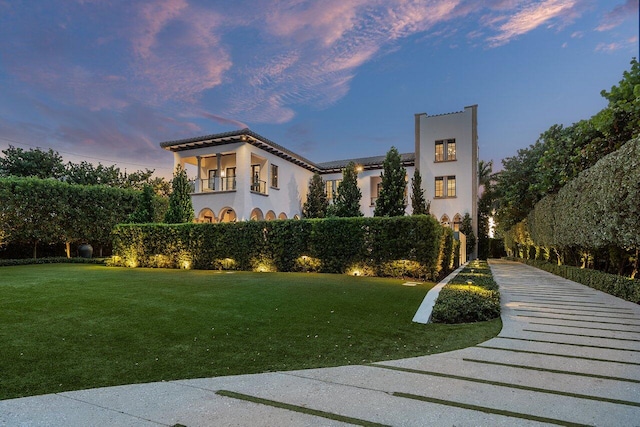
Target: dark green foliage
{"points": [[485, 206], [621, 287], [333, 245], [461, 302], [597, 212], [392, 200], [561, 154], [317, 203], [347, 200], [467, 229], [146, 209], [48, 164], [32, 163], [45, 211], [180, 207], [419, 204]]}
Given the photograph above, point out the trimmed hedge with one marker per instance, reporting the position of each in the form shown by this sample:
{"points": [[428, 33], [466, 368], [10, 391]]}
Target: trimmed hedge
{"points": [[411, 246], [619, 286], [459, 302], [51, 260]]}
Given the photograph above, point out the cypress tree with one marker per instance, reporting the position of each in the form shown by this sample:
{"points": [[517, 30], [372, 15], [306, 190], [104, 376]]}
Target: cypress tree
{"points": [[391, 200], [467, 229], [419, 204], [180, 207], [317, 203], [347, 201]]}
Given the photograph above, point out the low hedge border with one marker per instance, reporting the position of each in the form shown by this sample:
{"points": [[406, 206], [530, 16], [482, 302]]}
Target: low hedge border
{"points": [[618, 286], [52, 260], [461, 302]]}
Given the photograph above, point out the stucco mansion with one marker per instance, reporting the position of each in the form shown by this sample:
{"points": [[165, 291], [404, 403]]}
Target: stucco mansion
{"points": [[244, 176]]}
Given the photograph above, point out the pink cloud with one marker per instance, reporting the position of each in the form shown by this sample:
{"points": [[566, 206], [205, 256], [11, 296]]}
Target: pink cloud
{"points": [[533, 16], [179, 51], [224, 120], [618, 15]]}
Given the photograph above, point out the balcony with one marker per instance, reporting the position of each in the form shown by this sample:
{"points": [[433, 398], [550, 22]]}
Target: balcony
{"points": [[218, 184], [259, 186]]}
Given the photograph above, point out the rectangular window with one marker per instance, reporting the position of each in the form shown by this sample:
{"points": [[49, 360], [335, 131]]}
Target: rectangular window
{"points": [[229, 181], [451, 186], [445, 187], [445, 150], [439, 192], [274, 176], [451, 149], [332, 187], [439, 151]]}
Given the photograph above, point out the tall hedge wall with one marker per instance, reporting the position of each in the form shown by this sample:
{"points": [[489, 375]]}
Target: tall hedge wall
{"points": [[598, 210], [399, 246], [46, 211]]}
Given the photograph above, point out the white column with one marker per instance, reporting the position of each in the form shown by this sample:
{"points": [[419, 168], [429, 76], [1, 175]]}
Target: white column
{"points": [[198, 175]]}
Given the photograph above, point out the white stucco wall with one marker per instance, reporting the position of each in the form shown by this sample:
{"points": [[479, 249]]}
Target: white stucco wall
{"points": [[367, 182], [287, 198], [462, 127]]}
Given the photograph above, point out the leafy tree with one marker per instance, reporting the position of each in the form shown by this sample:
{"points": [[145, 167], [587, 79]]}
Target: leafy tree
{"points": [[516, 185], [35, 162], [180, 207], [467, 229], [391, 200], [485, 206], [145, 212], [317, 203], [85, 173], [622, 121], [347, 200], [419, 204]]}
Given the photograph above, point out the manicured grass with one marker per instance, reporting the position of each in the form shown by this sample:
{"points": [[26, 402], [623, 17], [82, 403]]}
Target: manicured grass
{"points": [[68, 326]]}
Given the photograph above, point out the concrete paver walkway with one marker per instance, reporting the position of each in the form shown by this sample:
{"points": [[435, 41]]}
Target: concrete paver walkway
{"points": [[567, 355]]}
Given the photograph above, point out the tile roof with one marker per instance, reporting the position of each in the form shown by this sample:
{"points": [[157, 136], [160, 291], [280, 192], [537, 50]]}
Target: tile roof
{"points": [[247, 135], [408, 159]]}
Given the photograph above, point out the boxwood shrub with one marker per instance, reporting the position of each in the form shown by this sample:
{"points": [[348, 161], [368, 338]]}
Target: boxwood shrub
{"points": [[413, 246], [460, 302]]}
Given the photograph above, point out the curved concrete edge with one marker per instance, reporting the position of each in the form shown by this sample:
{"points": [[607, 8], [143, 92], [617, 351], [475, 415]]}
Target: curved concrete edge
{"points": [[423, 315]]}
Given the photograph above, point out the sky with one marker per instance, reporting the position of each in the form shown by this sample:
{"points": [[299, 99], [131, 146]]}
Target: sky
{"points": [[107, 80]]}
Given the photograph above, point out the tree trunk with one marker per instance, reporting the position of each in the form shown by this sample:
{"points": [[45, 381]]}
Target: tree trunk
{"points": [[68, 249], [635, 264], [35, 246]]}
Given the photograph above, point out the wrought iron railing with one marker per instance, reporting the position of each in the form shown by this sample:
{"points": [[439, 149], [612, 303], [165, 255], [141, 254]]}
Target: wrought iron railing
{"points": [[259, 186]]}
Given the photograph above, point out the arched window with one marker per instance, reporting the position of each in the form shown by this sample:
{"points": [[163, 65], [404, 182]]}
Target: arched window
{"points": [[444, 221], [271, 215], [282, 215], [457, 222]]}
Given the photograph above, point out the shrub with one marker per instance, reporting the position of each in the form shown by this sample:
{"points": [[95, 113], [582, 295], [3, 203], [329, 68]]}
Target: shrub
{"points": [[398, 246], [460, 302]]}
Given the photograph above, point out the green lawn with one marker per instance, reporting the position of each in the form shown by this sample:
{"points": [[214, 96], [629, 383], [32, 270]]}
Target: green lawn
{"points": [[74, 326]]}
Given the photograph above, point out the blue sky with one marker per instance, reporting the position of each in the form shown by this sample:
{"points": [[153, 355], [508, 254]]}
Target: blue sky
{"points": [[107, 80]]}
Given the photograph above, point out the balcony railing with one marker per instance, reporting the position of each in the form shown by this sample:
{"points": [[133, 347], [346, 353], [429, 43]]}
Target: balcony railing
{"points": [[227, 183], [374, 200], [259, 186]]}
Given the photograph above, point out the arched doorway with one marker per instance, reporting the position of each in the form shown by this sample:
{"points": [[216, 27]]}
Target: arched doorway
{"points": [[282, 215], [270, 216], [256, 215], [228, 215], [206, 215], [444, 221]]}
